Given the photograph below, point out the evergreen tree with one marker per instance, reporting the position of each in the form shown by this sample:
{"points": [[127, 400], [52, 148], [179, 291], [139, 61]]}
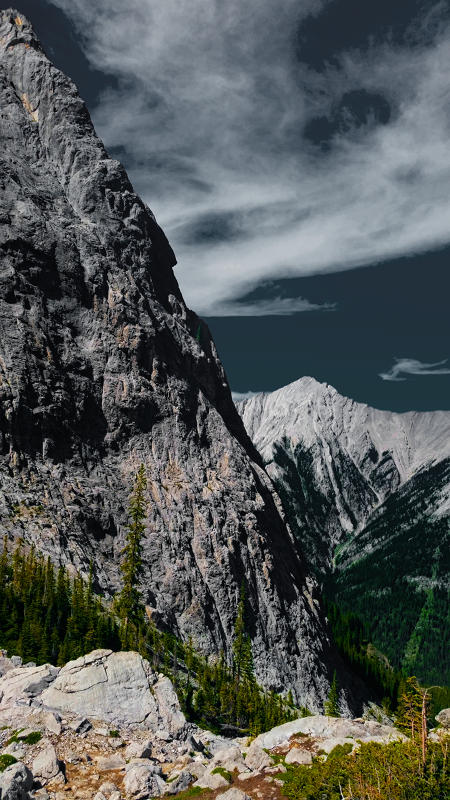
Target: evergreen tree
{"points": [[412, 710], [332, 703]]}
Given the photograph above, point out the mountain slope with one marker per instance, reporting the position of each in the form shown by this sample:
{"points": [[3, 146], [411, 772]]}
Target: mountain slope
{"points": [[101, 369], [367, 493], [395, 573], [335, 461]]}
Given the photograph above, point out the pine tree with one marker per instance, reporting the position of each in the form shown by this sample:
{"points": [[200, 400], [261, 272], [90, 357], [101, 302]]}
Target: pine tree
{"points": [[332, 703], [131, 566], [409, 711]]}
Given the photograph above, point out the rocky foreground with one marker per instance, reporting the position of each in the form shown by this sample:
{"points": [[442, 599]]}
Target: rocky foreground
{"points": [[107, 727]]}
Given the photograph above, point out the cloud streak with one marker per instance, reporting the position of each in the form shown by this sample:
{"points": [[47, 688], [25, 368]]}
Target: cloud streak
{"points": [[410, 366], [210, 107]]}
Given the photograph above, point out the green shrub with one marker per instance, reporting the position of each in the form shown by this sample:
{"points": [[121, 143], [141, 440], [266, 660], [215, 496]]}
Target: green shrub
{"points": [[224, 772], [31, 738], [193, 791], [6, 760], [393, 771]]}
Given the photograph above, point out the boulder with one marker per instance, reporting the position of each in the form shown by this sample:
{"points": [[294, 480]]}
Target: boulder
{"points": [[138, 749], [5, 663], [108, 788], [24, 684], [197, 769], [246, 776], [210, 781], [443, 718], [105, 763], [329, 744], [298, 756], [52, 722], [16, 782], [233, 794], [230, 758], [81, 726], [119, 688], [16, 749], [256, 758], [47, 767], [141, 781], [180, 784]]}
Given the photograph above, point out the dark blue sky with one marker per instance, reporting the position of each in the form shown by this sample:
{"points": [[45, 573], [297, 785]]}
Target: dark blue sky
{"points": [[376, 276]]}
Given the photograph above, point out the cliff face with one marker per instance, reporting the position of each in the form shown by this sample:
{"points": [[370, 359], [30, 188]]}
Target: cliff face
{"points": [[103, 367]]}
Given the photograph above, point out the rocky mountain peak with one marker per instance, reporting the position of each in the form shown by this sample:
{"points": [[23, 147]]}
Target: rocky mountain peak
{"points": [[102, 368], [335, 461]]}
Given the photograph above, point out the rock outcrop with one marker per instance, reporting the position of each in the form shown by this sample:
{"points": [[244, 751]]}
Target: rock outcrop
{"points": [[328, 729], [120, 688], [102, 368]]}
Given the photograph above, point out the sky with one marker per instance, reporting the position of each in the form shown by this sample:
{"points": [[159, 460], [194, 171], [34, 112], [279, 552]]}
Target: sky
{"points": [[297, 154]]}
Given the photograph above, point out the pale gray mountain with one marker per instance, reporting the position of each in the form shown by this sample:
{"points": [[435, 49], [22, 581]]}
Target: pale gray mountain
{"points": [[367, 494], [335, 461], [102, 368]]}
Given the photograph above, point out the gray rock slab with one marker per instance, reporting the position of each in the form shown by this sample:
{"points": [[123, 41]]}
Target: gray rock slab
{"points": [[120, 688], [23, 684]]}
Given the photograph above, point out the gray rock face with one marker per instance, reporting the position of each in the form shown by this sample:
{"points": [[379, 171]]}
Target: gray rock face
{"points": [[119, 688], [102, 368], [16, 782]]}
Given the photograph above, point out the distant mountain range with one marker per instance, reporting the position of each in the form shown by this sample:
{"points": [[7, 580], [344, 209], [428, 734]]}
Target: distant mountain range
{"points": [[367, 494]]}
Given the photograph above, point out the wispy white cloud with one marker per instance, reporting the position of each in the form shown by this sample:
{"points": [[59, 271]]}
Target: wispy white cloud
{"points": [[238, 396], [277, 306], [210, 106], [410, 366]]}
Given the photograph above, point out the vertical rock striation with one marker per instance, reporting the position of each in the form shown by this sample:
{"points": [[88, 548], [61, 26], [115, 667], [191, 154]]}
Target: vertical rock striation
{"points": [[101, 369]]}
